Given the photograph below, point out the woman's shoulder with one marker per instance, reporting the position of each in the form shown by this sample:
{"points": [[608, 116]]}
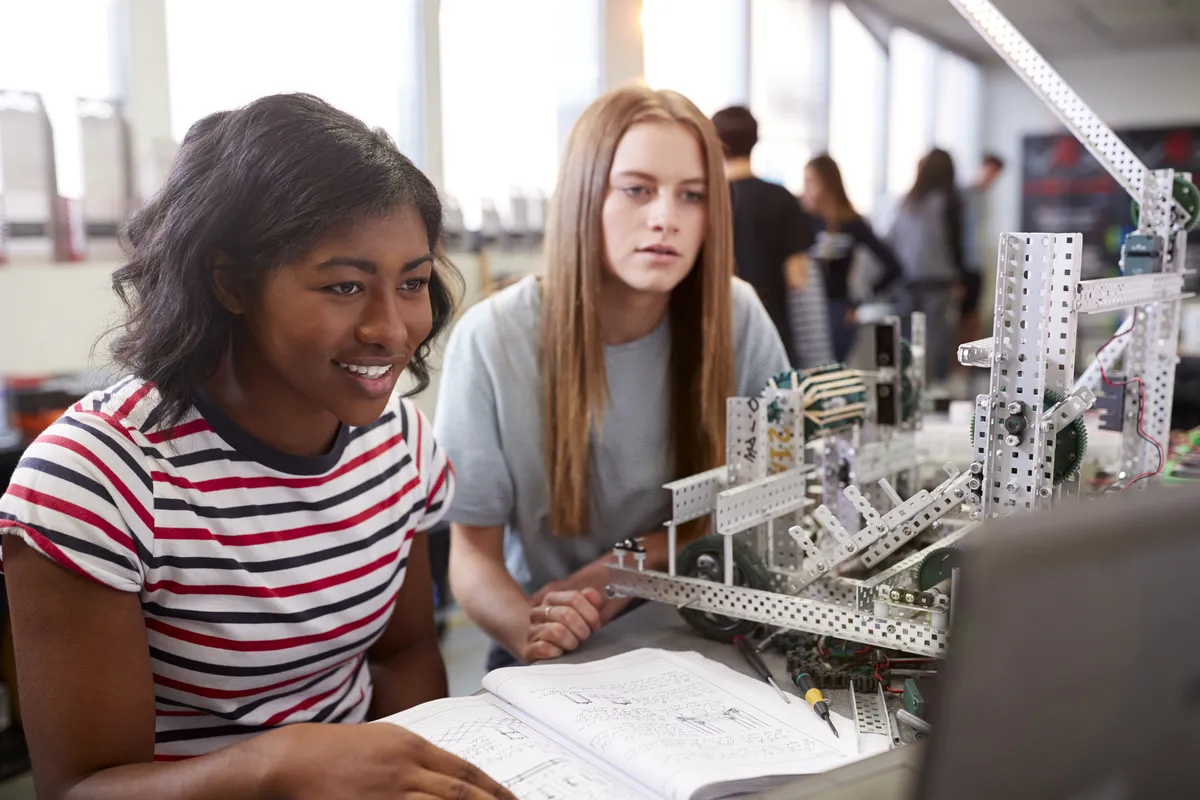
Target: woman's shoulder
{"points": [[496, 319]]}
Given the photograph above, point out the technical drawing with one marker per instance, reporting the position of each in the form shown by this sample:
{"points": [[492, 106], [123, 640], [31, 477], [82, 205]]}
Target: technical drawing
{"points": [[729, 721], [557, 779], [507, 727]]}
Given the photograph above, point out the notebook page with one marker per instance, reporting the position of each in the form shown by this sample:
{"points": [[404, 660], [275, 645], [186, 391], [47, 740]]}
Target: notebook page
{"points": [[530, 764], [672, 723]]}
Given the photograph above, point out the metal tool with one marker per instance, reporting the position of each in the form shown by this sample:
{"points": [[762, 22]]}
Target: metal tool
{"points": [[813, 696], [752, 658], [919, 725]]}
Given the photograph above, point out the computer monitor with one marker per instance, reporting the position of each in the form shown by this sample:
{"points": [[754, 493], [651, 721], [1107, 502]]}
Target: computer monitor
{"points": [[1074, 664]]}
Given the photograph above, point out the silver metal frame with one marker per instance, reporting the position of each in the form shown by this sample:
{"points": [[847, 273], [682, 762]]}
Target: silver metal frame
{"points": [[1039, 297]]}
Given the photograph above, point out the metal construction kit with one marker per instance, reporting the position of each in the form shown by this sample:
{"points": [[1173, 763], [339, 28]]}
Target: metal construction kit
{"points": [[875, 562]]}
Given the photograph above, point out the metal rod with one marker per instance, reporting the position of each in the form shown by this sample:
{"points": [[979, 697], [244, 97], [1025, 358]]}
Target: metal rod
{"points": [[671, 534]]}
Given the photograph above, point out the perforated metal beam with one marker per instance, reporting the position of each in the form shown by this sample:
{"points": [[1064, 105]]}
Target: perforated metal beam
{"points": [[1111, 294], [1113, 154]]}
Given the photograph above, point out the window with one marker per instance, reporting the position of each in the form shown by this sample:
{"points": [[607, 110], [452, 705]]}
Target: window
{"points": [[958, 127], [786, 71], [63, 51], [362, 56], [699, 48], [515, 76], [857, 76], [913, 106]]}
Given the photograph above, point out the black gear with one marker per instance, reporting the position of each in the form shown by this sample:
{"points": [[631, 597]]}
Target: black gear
{"points": [[1070, 445]]}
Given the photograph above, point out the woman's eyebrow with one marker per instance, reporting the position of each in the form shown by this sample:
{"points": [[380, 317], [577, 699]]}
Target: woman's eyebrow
{"points": [[370, 266]]}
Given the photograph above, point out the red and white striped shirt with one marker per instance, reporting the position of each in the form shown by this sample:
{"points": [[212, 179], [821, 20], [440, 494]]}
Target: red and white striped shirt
{"points": [[263, 577]]}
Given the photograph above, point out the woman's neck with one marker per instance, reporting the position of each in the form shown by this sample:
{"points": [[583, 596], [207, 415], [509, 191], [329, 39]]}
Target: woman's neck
{"points": [[264, 406], [626, 314]]}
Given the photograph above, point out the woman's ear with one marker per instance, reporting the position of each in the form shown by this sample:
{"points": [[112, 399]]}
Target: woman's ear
{"points": [[223, 285]]}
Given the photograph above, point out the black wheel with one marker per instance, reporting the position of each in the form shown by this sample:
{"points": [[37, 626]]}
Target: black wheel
{"points": [[705, 558]]}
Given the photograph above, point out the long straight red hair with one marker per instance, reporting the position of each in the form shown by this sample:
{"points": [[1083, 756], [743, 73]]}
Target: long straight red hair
{"points": [[572, 347]]}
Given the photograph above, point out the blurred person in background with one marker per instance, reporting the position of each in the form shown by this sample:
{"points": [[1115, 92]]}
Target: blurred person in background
{"points": [[976, 252], [927, 235], [840, 232], [771, 237], [568, 400], [212, 561]]}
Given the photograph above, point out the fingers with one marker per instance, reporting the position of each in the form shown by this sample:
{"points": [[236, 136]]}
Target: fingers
{"points": [[574, 605], [541, 650], [448, 776], [594, 596], [556, 634]]}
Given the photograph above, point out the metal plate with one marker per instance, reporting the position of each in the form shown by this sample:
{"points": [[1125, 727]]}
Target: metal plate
{"points": [[1034, 331], [775, 609], [1113, 154], [884, 459], [754, 503], [695, 496], [745, 433], [1110, 294]]}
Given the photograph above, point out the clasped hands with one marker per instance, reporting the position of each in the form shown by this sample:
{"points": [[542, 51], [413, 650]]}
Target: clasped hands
{"points": [[562, 614]]}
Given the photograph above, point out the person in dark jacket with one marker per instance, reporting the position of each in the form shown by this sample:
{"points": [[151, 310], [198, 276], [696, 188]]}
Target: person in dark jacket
{"points": [[840, 231], [771, 237]]}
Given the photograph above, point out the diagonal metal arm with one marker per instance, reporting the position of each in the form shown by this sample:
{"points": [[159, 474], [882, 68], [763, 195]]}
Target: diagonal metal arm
{"points": [[1007, 41]]}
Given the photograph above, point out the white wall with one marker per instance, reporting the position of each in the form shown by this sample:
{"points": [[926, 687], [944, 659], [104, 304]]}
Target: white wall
{"points": [[53, 315], [1138, 89]]}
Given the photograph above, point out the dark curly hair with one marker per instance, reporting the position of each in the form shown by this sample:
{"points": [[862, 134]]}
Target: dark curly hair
{"points": [[258, 186]]}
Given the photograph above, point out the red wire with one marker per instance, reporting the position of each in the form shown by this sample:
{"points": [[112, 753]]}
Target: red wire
{"points": [[886, 662], [1141, 404]]}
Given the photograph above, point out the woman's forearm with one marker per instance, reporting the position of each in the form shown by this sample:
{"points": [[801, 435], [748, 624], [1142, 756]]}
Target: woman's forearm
{"points": [[406, 679], [249, 770], [493, 600]]}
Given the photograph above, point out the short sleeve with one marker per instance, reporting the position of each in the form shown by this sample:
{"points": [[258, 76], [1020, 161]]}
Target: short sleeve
{"points": [[434, 468], [797, 234], [467, 424], [758, 352], [82, 497]]}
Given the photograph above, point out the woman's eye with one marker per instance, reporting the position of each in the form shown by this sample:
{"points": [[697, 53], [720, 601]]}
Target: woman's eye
{"points": [[634, 191], [693, 197], [344, 288], [414, 285]]}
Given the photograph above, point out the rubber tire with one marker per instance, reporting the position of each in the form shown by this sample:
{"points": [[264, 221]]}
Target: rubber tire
{"points": [[748, 571]]}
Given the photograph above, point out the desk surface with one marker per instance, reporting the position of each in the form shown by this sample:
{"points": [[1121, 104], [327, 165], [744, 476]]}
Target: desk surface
{"points": [[885, 777]]}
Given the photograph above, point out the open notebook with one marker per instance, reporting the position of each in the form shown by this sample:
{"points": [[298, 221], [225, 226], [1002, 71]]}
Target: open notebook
{"points": [[645, 724]]}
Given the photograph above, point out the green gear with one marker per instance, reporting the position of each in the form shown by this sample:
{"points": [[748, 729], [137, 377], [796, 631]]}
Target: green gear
{"points": [[937, 567], [705, 558], [1187, 195], [1070, 445]]}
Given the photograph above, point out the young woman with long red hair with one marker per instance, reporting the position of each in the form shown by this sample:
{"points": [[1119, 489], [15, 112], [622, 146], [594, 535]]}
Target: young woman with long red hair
{"points": [[568, 400]]}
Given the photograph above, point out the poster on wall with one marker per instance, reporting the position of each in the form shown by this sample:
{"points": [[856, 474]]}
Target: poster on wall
{"points": [[1064, 189]]}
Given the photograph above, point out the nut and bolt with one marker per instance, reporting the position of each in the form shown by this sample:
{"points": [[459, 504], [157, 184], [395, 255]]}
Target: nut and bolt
{"points": [[973, 484], [1012, 441], [1014, 407], [1010, 487], [1045, 491]]}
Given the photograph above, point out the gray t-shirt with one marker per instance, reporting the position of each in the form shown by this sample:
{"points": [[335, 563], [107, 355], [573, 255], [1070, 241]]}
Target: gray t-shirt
{"points": [[489, 419]]}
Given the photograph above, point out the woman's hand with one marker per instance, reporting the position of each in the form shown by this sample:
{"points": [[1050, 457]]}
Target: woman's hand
{"points": [[559, 620], [370, 761]]}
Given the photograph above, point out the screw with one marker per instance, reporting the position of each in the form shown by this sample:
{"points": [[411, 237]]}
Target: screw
{"points": [[850, 547], [1010, 487], [958, 492], [1014, 407], [983, 401], [973, 484], [1012, 441], [1045, 491], [976, 467]]}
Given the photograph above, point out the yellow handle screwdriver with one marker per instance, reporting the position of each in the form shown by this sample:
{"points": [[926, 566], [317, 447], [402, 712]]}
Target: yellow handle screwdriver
{"points": [[813, 696]]}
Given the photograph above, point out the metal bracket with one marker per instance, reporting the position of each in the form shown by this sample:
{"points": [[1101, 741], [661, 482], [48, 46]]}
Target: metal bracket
{"points": [[1111, 294], [977, 353]]}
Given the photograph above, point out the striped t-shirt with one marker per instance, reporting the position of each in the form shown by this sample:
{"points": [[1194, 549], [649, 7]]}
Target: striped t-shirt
{"points": [[263, 577]]}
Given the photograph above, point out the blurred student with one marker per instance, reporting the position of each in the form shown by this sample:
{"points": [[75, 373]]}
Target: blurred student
{"points": [[840, 232], [225, 549], [568, 401], [976, 252], [771, 237], [927, 235]]}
